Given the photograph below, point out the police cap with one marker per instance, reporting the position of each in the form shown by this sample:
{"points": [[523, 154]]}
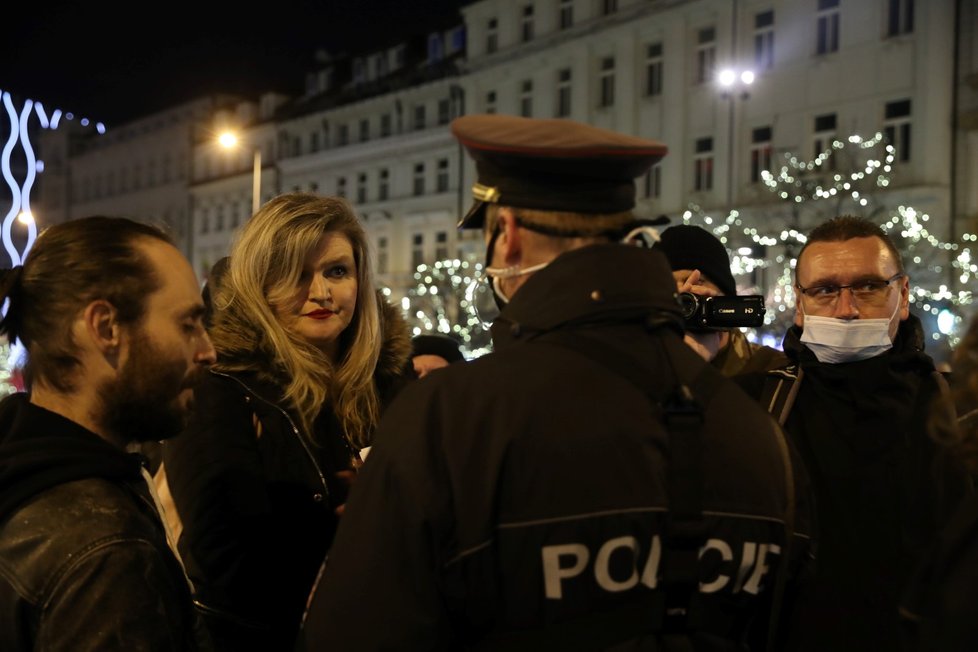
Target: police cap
{"points": [[553, 165]]}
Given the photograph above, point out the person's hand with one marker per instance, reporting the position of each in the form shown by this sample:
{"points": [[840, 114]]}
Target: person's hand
{"points": [[346, 477], [691, 283], [425, 363]]}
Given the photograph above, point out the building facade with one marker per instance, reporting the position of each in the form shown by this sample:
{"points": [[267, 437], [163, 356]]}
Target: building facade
{"points": [[373, 126]]}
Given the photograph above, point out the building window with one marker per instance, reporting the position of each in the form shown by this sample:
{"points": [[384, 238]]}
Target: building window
{"points": [[566, 14], [526, 26], [444, 111], [456, 40], [564, 93], [899, 17], [441, 245], [385, 125], [653, 69], [706, 55], [235, 215], [343, 135], [417, 250], [326, 132], [436, 50], [380, 64], [526, 98], [383, 184], [764, 40], [608, 7], [827, 27], [823, 137], [896, 128], [703, 165], [219, 219], [364, 130], [362, 188], [314, 142], [383, 255], [441, 182], [492, 36], [418, 179], [341, 187], [491, 102], [652, 183], [607, 97], [419, 117], [761, 151], [205, 221]]}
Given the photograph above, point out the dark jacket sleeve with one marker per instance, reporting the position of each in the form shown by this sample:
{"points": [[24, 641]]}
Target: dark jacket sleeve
{"points": [[215, 472]]}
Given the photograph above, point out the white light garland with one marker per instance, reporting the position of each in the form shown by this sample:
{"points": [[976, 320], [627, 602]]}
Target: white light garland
{"points": [[924, 254]]}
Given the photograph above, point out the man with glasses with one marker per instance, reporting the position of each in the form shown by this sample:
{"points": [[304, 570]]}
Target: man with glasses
{"points": [[855, 402]]}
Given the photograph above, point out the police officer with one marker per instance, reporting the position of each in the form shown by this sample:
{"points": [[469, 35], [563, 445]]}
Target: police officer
{"points": [[592, 483]]}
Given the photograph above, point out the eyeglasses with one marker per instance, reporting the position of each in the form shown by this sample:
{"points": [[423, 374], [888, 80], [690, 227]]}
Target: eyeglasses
{"points": [[869, 292]]}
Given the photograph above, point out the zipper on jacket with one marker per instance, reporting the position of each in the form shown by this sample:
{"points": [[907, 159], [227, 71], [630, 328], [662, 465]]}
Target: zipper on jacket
{"points": [[295, 429]]}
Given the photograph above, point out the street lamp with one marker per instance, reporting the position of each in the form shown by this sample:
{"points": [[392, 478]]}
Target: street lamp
{"points": [[229, 140], [733, 83]]}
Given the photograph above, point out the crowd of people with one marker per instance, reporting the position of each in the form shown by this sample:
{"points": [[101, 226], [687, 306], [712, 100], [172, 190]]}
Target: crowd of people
{"points": [[189, 470]]}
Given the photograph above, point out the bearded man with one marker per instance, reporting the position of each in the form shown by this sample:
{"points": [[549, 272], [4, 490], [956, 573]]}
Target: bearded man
{"points": [[111, 317]]}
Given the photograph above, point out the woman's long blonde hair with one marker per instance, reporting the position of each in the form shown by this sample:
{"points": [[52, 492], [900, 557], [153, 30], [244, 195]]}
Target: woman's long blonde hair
{"points": [[266, 262]]}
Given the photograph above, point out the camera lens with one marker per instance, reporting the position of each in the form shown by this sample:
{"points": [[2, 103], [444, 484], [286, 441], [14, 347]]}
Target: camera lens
{"points": [[688, 302]]}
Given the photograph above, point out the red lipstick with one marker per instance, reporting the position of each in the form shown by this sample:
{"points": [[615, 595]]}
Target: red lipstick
{"points": [[322, 313]]}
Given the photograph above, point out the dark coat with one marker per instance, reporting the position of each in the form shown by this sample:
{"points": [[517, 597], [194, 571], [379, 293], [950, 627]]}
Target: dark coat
{"points": [[883, 487], [940, 605], [490, 481], [84, 560], [258, 510]]}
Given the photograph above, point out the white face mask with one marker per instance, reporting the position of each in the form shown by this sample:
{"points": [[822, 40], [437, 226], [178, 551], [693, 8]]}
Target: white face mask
{"points": [[847, 340]]}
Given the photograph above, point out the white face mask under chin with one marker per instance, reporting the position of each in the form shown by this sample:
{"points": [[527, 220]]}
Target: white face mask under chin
{"points": [[847, 340], [499, 273]]}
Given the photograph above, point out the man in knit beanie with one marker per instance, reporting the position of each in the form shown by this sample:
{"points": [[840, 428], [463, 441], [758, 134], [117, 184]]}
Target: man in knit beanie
{"points": [[701, 265]]}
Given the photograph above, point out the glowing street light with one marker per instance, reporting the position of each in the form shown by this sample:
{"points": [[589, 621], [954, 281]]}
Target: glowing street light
{"points": [[731, 80], [230, 140]]}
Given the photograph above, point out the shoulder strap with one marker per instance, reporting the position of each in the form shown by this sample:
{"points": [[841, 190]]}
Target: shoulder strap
{"points": [[779, 392]]}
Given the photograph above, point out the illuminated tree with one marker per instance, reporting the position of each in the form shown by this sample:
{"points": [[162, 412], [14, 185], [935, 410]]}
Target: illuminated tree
{"points": [[846, 178], [446, 299]]}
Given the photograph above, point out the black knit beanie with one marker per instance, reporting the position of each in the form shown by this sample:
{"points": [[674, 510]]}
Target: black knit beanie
{"points": [[692, 247]]}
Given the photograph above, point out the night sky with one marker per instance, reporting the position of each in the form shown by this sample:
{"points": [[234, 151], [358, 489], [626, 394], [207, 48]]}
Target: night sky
{"points": [[116, 61]]}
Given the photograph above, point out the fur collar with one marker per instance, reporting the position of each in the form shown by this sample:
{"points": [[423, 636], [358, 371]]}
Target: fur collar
{"points": [[395, 353], [243, 345]]}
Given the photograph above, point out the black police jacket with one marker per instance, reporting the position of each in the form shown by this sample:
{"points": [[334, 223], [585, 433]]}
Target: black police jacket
{"points": [[520, 501], [84, 560]]}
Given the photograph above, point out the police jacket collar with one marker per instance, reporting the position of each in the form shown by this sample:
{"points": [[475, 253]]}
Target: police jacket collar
{"points": [[593, 283]]}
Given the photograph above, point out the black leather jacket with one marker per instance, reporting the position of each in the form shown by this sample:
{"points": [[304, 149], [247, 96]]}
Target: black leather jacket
{"points": [[84, 562]]}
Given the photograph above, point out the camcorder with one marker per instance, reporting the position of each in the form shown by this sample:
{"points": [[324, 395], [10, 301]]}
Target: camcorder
{"points": [[721, 312]]}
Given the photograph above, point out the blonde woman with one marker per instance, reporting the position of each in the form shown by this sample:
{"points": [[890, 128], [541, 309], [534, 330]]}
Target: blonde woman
{"points": [[308, 353]]}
